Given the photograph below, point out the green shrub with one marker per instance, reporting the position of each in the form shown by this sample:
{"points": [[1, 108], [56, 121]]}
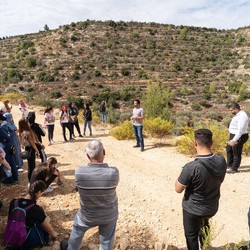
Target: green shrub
{"points": [[196, 106], [246, 148], [30, 62], [157, 127], [185, 144], [123, 132]]}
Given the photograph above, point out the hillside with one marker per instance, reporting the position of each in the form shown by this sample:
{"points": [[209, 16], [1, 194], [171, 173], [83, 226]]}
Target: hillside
{"points": [[201, 65]]}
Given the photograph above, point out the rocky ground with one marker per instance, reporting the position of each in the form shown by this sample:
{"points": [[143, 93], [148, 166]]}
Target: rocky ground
{"points": [[150, 210]]}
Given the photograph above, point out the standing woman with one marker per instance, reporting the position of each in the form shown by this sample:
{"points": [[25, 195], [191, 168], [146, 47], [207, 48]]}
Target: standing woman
{"points": [[11, 127], [50, 123], [23, 107], [28, 140], [65, 122], [87, 115], [73, 112], [103, 110], [5, 144]]}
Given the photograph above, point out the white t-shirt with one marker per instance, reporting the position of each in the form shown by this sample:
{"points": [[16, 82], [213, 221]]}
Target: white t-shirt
{"points": [[137, 112], [64, 117], [50, 118]]}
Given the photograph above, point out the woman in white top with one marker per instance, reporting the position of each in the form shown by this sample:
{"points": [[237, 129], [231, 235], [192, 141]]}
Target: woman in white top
{"points": [[65, 123], [23, 107], [50, 123]]}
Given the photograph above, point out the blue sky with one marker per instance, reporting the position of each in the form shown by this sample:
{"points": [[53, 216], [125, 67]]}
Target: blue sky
{"points": [[27, 16]]}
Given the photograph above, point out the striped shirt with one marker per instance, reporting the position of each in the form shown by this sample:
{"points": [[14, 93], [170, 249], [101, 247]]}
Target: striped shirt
{"points": [[96, 185]]}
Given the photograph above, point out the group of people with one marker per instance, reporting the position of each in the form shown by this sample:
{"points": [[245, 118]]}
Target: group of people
{"points": [[96, 182]]}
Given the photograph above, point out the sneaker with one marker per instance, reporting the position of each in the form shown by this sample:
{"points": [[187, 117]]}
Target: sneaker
{"points": [[63, 245], [142, 149], [72, 139], [232, 171], [48, 190], [50, 143], [65, 141], [20, 170], [136, 146]]}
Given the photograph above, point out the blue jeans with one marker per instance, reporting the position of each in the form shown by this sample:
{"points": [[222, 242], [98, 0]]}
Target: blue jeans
{"points": [[139, 135], [85, 126], [104, 116], [106, 234]]}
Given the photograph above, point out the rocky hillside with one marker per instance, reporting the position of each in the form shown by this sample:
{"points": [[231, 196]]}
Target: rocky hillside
{"points": [[202, 66]]}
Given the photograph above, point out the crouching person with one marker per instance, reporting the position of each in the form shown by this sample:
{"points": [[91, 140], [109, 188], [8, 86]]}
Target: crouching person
{"points": [[96, 184], [28, 226]]}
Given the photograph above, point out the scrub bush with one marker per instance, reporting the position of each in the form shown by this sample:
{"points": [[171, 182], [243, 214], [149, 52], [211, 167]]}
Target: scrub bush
{"points": [[157, 127], [185, 144], [124, 131]]}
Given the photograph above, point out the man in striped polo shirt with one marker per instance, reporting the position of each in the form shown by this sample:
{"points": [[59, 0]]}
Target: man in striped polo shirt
{"points": [[96, 184]]}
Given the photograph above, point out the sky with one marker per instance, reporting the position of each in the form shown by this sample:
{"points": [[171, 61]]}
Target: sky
{"points": [[18, 17]]}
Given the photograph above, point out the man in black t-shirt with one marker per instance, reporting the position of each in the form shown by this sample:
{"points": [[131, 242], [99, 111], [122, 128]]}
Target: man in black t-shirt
{"points": [[201, 179]]}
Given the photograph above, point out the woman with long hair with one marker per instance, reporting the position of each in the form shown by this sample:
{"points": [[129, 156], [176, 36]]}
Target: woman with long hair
{"points": [[28, 140], [49, 117], [87, 115], [36, 221], [65, 123]]}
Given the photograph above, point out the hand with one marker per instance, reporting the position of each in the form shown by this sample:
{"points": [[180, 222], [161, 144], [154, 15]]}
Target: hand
{"points": [[232, 143], [37, 153], [54, 235]]}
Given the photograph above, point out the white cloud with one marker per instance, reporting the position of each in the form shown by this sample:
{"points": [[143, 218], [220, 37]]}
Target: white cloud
{"points": [[20, 17]]}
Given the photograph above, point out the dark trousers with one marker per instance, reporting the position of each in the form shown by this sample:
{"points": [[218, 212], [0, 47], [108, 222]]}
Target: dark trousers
{"points": [[76, 124], [196, 228], [50, 131], [139, 135], [234, 153], [31, 161], [69, 127]]}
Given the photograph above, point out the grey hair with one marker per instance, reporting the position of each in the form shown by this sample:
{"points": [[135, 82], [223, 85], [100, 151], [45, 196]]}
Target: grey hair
{"points": [[94, 149]]}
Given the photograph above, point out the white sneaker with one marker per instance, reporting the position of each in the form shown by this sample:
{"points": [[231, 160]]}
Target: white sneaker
{"points": [[48, 190], [20, 170], [50, 143]]}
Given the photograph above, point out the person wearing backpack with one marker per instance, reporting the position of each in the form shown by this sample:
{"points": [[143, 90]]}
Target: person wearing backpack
{"points": [[27, 225]]}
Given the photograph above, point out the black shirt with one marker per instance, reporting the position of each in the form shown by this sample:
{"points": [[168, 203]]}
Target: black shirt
{"points": [[34, 215], [202, 179]]}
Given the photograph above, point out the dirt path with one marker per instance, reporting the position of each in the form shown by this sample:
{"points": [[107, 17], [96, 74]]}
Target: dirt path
{"points": [[150, 210]]}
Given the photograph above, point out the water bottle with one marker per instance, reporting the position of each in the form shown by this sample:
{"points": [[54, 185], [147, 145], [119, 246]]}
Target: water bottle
{"points": [[7, 172]]}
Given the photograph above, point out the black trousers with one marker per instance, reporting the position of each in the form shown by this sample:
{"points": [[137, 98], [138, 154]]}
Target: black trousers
{"points": [[234, 153], [31, 161], [69, 127], [196, 228], [76, 124], [50, 131]]}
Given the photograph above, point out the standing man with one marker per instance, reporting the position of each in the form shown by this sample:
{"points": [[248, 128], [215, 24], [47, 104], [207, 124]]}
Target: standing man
{"points": [[96, 185], [201, 179], [238, 130], [137, 118]]}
